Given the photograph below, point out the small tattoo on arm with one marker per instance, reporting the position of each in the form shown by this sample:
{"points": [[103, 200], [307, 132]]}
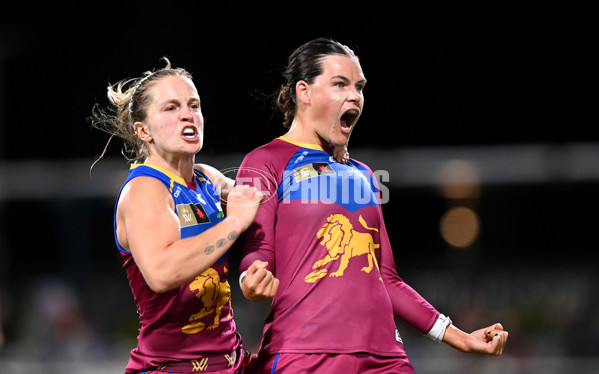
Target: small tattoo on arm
{"points": [[220, 242]]}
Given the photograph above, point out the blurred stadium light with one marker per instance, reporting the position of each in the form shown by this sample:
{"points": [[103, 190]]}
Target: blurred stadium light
{"points": [[409, 167]]}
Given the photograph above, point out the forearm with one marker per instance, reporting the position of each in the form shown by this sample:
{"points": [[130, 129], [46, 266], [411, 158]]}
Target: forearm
{"points": [[487, 341], [184, 259], [257, 287], [456, 338], [408, 304]]}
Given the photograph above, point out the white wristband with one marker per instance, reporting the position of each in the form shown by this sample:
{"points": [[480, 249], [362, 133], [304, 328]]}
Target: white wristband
{"points": [[241, 278], [438, 330]]}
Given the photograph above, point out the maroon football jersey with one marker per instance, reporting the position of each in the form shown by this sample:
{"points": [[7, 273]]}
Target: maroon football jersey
{"points": [[196, 319], [322, 232]]}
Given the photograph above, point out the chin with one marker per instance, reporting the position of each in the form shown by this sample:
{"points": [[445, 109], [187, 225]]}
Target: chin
{"points": [[339, 142]]}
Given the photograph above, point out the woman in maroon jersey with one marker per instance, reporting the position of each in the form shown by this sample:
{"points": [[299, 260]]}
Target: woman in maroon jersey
{"points": [[171, 230], [327, 262]]}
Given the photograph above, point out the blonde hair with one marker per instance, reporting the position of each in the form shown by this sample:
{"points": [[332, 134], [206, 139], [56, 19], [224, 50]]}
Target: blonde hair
{"points": [[129, 99]]}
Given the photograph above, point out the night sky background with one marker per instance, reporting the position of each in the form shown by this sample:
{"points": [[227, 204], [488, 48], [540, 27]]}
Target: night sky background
{"points": [[451, 77], [498, 76]]}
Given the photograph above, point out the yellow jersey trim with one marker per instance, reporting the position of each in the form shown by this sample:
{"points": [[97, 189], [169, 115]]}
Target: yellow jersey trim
{"points": [[316, 147], [174, 178]]}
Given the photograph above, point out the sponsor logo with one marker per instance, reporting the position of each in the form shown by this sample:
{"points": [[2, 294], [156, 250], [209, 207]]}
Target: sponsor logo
{"points": [[311, 171], [191, 214], [200, 365], [177, 192], [301, 157], [230, 359], [397, 336]]}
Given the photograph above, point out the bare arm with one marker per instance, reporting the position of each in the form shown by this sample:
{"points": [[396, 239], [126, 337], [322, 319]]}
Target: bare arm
{"points": [[490, 340], [148, 227]]}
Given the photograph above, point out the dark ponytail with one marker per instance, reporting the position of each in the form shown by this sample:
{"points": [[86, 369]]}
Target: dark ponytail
{"points": [[305, 63]]}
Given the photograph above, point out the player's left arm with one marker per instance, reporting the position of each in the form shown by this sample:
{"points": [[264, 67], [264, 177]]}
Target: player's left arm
{"points": [[412, 308], [490, 340], [407, 304]]}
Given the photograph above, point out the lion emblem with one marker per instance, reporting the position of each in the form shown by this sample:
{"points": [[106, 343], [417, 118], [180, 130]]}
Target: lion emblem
{"points": [[214, 295], [343, 243]]}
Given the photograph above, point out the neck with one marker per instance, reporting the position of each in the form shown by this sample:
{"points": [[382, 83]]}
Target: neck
{"points": [[298, 132]]}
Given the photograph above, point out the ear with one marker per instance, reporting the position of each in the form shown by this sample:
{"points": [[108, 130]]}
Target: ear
{"points": [[302, 92], [142, 131]]}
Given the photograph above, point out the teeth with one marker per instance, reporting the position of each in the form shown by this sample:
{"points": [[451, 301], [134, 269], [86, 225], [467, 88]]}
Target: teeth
{"points": [[189, 131]]}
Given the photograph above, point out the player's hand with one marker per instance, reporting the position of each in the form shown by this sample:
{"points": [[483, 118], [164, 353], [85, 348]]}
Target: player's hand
{"points": [[495, 338], [341, 154], [259, 284], [488, 341], [242, 203]]}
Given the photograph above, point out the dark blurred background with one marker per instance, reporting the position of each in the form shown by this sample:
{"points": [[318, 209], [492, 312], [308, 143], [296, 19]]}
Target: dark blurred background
{"points": [[477, 120]]}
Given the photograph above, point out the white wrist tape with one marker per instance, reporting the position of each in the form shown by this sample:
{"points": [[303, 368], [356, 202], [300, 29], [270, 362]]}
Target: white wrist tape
{"points": [[241, 278], [438, 330]]}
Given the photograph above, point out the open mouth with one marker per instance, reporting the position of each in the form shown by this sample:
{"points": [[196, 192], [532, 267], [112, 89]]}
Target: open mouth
{"points": [[349, 118], [189, 132]]}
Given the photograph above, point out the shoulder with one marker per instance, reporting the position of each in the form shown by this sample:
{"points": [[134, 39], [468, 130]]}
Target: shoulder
{"points": [[145, 185], [148, 172], [362, 166], [266, 163], [218, 179], [275, 152], [144, 190], [276, 145], [210, 172]]}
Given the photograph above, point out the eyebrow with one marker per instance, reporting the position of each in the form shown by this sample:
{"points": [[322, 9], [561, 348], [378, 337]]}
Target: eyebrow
{"points": [[175, 101], [344, 78]]}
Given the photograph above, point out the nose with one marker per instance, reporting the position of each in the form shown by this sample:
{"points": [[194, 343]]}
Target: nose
{"points": [[355, 95], [186, 114]]}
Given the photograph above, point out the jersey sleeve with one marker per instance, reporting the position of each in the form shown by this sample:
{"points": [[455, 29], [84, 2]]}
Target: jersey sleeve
{"points": [[258, 240], [408, 304]]}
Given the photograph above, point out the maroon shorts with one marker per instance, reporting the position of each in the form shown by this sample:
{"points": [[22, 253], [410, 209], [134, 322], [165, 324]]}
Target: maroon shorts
{"points": [[326, 363], [240, 362]]}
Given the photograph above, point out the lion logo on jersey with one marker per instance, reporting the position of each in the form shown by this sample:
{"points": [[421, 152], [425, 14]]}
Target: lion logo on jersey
{"points": [[343, 243], [214, 294]]}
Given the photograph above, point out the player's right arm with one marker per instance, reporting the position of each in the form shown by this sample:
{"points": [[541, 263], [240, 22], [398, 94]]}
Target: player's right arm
{"points": [[257, 280], [258, 283], [147, 226]]}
